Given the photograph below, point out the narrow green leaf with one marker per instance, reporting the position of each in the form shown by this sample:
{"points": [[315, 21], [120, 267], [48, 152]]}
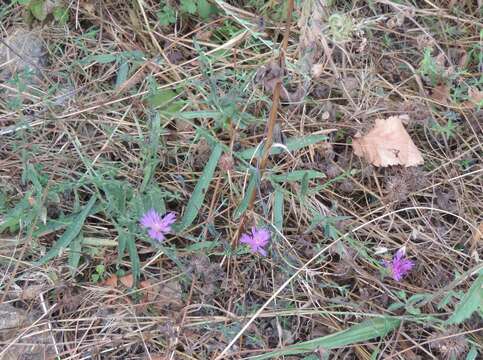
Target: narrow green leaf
{"points": [[70, 233], [197, 197], [133, 255], [304, 186], [204, 114], [59, 224], [278, 209], [122, 74], [292, 144], [297, 175], [469, 304], [364, 331], [105, 58], [75, 253], [246, 198], [472, 354]]}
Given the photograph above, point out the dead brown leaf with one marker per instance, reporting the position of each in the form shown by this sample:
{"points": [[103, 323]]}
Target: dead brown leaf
{"points": [[204, 35], [387, 144], [441, 94], [111, 281], [127, 280], [474, 95]]}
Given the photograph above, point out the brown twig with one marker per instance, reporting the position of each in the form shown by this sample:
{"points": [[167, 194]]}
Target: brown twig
{"points": [[271, 120]]}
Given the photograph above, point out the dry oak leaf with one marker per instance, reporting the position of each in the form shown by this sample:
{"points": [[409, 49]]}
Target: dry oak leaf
{"points": [[387, 144]]}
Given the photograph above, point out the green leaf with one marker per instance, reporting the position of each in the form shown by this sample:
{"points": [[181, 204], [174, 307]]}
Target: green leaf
{"points": [[469, 304], [104, 58], [204, 9], [133, 255], [197, 197], [59, 224], [61, 14], [38, 9], [188, 6], [75, 253], [246, 198], [70, 233], [297, 175], [472, 354], [161, 97], [166, 16], [14, 215], [278, 209], [292, 144], [364, 331], [122, 74]]}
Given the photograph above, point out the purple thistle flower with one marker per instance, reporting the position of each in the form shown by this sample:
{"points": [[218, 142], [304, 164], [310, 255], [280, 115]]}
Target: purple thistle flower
{"points": [[157, 226], [256, 240], [399, 266]]}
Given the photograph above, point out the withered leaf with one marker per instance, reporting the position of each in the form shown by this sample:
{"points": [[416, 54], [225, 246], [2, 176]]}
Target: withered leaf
{"points": [[387, 144]]}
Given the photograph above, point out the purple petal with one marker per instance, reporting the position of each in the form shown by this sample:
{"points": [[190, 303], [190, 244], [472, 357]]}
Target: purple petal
{"points": [[156, 235], [399, 254], [262, 236], [150, 219], [246, 239], [262, 251], [167, 221]]}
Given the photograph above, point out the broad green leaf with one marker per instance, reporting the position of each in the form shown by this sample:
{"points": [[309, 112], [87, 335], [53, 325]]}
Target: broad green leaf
{"points": [[292, 144], [470, 302], [14, 215], [38, 9], [278, 209], [365, 331], [197, 197], [297, 175], [70, 233], [205, 9], [75, 253], [252, 183], [188, 6], [61, 14], [161, 97]]}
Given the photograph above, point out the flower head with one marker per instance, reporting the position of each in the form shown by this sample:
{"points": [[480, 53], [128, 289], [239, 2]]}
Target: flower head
{"points": [[157, 226], [399, 266], [257, 240]]}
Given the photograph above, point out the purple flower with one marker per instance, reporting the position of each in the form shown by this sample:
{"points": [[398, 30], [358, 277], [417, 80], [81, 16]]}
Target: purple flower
{"points": [[399, 266], [257, 240], [157, 226]]}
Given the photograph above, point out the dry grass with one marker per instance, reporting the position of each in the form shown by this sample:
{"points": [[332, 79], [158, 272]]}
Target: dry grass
{"points": [[115, 105]]}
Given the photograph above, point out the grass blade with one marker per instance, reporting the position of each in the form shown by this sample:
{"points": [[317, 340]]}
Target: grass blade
{"points": [[297, 175], [246, 199], [196, 200], [364, 331], [75, 253], [471, 302], [128, 239], [70, 233], [292, 144], [278, 209]]}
